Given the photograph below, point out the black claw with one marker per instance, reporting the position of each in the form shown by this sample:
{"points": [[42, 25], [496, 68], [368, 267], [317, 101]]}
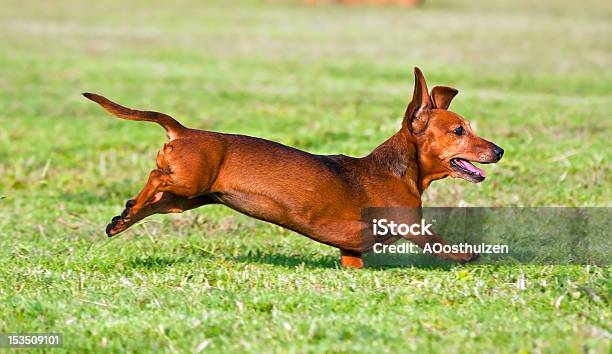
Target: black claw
{"points": [[130, 203], [109, 227], [115, 219], [124, 213]]}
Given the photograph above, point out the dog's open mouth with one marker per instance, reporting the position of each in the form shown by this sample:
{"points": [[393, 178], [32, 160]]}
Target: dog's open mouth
{"points": [[467, 170]]}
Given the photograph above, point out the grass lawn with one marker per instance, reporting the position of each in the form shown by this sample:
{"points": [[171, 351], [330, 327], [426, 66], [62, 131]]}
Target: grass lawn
{"points": [[534, 78]]}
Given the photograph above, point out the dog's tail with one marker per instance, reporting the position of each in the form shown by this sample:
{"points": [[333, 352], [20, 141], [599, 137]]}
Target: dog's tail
{"points": [[172, 126]]}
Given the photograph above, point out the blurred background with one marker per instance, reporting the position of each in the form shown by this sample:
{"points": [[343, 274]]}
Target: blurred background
{"points": [[533, 77]]}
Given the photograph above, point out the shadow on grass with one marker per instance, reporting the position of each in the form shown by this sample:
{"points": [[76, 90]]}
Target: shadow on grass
{"points": [[444, 267], [277, 259], [308, 261], [161, 262], [157, 262], [139, 263]]}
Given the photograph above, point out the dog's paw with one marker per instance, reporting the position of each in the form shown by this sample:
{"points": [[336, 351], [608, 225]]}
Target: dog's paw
{"points": [[126, 211], [130, 203], [474, 257], [110, 227], [118, 223], [461, 258], [469, 257]]}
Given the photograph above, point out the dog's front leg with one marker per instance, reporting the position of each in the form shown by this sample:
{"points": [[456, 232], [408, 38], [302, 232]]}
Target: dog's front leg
{"points": [[423, 240], [351, 259]]}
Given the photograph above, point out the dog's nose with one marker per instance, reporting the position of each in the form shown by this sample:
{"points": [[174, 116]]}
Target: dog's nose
{"points": [[499, 152]]}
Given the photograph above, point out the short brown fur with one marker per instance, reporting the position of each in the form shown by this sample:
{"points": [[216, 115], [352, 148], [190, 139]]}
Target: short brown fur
{"points": [[319, 196]]}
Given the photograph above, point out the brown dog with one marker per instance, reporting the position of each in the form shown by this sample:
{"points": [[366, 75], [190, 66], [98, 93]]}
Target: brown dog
{"points": [[319, 196]]}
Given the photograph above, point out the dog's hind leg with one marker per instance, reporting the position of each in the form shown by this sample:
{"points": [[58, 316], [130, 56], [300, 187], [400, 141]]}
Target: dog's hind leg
{"points": [[155, 198], [351, 259], [434, 239]]}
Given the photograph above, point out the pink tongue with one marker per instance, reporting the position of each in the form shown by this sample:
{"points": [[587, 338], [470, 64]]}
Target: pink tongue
{"points": [[468, 166]]}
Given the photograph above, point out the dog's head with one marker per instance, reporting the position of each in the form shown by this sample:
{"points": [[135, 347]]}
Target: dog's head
{"points": [[447, 145]]}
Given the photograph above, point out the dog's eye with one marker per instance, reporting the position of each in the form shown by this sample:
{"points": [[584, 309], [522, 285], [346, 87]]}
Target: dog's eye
{"points": [[459, 131]]}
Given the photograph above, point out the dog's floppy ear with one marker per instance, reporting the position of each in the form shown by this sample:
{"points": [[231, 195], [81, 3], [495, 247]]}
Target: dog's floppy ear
{"points": [[441, 96], [417, 113]]}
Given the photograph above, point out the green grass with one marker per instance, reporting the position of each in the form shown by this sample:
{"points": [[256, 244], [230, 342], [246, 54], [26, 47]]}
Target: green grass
{"points": [[534, 78]]}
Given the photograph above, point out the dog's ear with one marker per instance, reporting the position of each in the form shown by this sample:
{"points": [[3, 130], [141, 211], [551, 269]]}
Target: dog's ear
{"points": [[441, 96], [417, 113]]}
